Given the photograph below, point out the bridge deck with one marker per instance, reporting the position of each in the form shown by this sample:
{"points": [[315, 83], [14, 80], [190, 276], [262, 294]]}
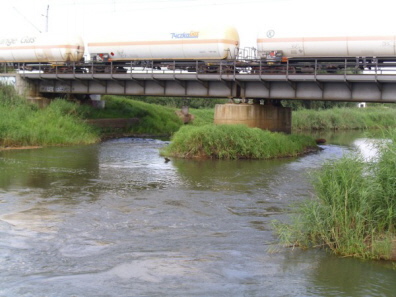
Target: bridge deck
{"points": [[369, 87]]}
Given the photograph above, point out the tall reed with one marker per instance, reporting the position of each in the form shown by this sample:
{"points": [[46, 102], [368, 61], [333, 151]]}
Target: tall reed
{"points": [[353, 212]]}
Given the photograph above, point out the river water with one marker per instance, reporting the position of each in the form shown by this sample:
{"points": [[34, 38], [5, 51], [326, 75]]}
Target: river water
{"points": [[115, 219]]}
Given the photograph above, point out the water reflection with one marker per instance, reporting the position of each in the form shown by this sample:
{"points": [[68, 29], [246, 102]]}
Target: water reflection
{"points": [[344, 138], [46, 168], [357, 278], [331, 276], [230, 175]]}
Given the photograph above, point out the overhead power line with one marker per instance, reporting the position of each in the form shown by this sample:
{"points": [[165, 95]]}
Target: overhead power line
{"points": [[26, 19]]}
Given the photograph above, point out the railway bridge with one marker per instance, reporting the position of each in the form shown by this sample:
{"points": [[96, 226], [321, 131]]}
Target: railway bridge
{"points": [[259, 86]]}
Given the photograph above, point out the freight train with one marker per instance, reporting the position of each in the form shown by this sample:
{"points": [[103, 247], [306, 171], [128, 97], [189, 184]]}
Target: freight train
{"points": [[191, 49], [198, 50]]}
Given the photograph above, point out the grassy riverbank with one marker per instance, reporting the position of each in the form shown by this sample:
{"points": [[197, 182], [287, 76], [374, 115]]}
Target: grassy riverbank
{"points": [[354, 210], [344, 118], [235, 142], [153, 119], [63, 122], [24, 124]]}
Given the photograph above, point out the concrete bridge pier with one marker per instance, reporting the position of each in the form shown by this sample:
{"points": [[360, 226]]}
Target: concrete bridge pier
{"points": [[23, 87], [26, 87], [268, 116]]}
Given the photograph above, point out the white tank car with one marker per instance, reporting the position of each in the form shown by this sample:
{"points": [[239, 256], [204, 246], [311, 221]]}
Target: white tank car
{"points": [[43, 48], [180, 44], [326, 45]]}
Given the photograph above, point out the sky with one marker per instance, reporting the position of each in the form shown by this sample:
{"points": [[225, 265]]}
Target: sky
{"points": [[250, 17]]}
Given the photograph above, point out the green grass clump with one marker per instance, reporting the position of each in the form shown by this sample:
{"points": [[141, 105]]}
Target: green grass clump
{"points": [[354, 210], [344, 118], [24, 124], [202, 116], [235, 142]]}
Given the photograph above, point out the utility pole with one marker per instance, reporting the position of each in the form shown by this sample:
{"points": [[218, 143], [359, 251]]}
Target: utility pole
{"points": [[46, 19]]}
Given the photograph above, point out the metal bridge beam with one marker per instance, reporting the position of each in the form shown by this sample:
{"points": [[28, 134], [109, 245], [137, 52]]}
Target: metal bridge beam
{"points": [[331, 87]]}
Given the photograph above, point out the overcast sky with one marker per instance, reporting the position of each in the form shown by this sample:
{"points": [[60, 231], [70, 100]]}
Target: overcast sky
{"points": [[286, 17]]}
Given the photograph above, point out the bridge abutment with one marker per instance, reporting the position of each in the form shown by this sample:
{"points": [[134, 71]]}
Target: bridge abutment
{"points": [[267, 117], [29, 90], [25, 87]]}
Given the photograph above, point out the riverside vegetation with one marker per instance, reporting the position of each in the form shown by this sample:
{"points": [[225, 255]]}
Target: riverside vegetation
{"points": [[344, 118], [353, 212], [24, 124], [154, 119], [63, 122]]}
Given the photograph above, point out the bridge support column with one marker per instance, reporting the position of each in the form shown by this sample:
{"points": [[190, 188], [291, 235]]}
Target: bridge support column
{"points": [[29, 90], [267, 117], [26, 88]]}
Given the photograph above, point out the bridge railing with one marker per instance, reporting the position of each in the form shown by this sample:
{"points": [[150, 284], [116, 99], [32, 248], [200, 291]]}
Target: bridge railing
{"points": [[229, 67]]}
